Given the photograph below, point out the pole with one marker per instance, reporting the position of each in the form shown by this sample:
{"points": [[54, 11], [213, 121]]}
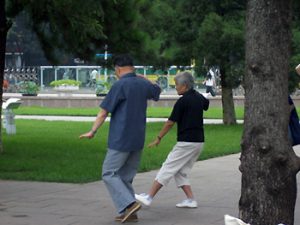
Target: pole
{"points": [[105, 58]]}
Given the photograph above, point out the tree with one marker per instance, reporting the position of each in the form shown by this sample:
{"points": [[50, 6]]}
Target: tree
{"points": [[294, 79], [21, 38], [120, 25], [80, 27], [63, 26], [212, 31], [171, 32], [221, 42], [186, 31], [4, 27], [158, 21], [268, 162]]}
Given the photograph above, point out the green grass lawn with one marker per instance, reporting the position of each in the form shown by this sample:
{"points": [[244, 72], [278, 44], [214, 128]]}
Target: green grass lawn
{"points": [[160, 112], [51, 151]]}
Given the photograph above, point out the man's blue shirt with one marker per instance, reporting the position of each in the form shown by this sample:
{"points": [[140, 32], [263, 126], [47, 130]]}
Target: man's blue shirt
{"points": [[127, 103]]}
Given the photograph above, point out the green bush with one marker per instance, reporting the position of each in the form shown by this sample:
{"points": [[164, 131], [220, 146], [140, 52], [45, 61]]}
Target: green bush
{"points": [[102, 87], [57, 83], [28, 87]]}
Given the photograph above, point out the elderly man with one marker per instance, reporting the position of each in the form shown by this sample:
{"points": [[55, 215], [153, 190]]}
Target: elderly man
{"points": [[126, 102], [188, 114]]}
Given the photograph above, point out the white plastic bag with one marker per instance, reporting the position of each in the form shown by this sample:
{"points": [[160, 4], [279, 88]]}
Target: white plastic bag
{"points": [[230, 220]]}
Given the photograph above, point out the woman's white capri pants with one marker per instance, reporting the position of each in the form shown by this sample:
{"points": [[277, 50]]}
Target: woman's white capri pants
{"points": [[179, 163]]}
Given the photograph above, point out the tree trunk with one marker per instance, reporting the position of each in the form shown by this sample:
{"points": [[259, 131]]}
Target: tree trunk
{"points": [[268, 162], [3, 33], [229, 117]]}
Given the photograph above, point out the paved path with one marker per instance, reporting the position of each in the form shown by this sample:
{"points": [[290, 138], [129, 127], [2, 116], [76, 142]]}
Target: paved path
{"points": [[92, 118], [216, 184]]}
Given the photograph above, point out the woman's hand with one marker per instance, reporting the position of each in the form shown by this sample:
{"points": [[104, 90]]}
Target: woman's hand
{"points": [[154, 143]]}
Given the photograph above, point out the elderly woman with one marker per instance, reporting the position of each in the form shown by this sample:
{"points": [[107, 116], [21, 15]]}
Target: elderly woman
{"points": [[188, 114]]}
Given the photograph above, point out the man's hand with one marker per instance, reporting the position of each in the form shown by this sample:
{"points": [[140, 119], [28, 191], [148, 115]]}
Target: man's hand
{"points": [[88, 135]]}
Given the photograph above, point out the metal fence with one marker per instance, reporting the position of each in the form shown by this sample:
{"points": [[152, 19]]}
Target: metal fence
{"points": [[87, 75]]}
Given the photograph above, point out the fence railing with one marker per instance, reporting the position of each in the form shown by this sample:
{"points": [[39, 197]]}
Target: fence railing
{"points": [[44, 75]]}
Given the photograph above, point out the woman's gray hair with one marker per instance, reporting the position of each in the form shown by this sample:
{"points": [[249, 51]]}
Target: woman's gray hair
{"points": [[185, 78]]}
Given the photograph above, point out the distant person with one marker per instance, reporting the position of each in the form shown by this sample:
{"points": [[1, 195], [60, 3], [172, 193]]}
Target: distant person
{"points": [[5, 85], [12, 81], [209, 84], [66, 74], [188, 114], [126, 102], [94, 74], [93, 77]]}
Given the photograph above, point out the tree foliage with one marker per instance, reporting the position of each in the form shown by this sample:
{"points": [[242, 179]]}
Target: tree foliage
{"points": [[221, 42], [157, 21], [82, 28], [63, 26], [21, 38], [120, 25]]}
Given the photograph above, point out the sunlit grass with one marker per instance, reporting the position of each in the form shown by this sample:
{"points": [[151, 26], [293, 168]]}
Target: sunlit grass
{"points": [[52, 151]]}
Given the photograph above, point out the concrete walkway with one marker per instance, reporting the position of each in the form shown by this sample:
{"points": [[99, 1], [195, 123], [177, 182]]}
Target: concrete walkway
{"points": [[216, 184], [92, 118]]}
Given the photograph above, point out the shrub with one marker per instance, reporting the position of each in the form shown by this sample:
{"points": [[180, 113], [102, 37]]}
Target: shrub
{"points": [[28, 87], [57, 83]]}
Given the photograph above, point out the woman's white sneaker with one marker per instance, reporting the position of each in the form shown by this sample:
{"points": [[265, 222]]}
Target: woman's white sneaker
{"points": [[187, 203], [144, 198]]}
